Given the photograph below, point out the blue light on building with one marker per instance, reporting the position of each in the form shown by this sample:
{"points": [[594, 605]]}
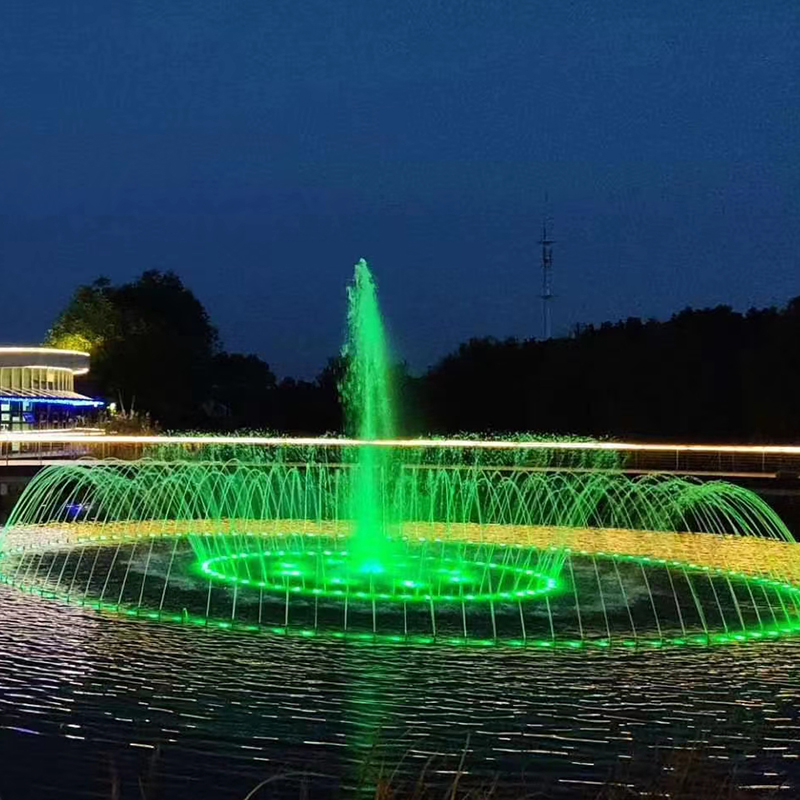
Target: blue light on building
{"points": [[37, 389]]}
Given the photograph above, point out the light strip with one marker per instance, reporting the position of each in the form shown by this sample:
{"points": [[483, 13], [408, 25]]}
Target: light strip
{"points": [[42, 350], [55, 401], [42, 366], [478, 444], [46, 433]]}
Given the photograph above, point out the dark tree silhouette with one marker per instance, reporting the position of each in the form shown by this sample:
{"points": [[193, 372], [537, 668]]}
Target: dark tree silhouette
{"points": [[154, 349], [706, 375], [703, 375], [242, 392]]}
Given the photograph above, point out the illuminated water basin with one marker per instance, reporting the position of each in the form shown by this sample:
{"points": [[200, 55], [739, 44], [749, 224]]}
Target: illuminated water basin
{"points": [[541, 586]]}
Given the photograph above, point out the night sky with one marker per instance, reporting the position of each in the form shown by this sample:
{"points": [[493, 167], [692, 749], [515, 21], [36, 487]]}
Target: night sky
{"points": [[258, 148]]}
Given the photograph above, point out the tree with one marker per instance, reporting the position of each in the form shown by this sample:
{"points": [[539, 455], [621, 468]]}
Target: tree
{"points": [[88, 321], [704, 375], [242, 392], [152, 345]]}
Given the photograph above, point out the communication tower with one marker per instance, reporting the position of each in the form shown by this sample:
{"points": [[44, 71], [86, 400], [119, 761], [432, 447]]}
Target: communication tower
{"points": [[547, 274]]}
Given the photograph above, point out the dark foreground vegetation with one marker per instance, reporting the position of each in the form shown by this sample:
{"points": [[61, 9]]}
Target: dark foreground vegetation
{"points": [[710, 375], [697, 771]]}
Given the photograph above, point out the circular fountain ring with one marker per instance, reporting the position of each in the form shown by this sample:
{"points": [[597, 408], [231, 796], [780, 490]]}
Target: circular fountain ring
{"points": [[413, 577], [739, 588]]}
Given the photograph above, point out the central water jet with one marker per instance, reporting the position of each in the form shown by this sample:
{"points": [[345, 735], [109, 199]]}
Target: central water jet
{"points": [[366, 399]]}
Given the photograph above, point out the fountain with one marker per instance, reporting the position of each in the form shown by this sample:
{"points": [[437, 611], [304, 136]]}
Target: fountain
{"points": [[366, 398], [376, 539]]}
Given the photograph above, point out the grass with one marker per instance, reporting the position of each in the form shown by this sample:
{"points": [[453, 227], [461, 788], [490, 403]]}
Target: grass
{"points": [[686, 774]]}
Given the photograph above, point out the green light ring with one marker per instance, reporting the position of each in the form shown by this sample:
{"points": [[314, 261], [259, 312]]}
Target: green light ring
{"points": [[642, 642], [788, 627], [69, 543], [779, 558], [56, 544], [550, 584]]}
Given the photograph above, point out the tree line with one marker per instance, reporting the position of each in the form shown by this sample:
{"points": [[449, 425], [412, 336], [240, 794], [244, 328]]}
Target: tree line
{"points": [[704, 375]]}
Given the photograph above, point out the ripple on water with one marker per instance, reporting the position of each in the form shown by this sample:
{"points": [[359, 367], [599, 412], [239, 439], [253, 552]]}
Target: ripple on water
{"points": [[88, 703]]}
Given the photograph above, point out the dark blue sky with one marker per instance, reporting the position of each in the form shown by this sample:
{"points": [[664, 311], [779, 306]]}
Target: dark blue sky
{"points": [[259, 148]]}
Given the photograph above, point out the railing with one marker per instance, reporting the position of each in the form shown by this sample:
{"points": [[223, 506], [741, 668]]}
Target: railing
{"points": [[781, 461]]}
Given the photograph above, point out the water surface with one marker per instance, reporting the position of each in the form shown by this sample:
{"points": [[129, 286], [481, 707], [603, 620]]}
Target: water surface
{"points": [[94, 706]]}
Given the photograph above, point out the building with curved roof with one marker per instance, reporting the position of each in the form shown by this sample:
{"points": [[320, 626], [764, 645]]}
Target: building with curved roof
{"points": [[37, 388]]}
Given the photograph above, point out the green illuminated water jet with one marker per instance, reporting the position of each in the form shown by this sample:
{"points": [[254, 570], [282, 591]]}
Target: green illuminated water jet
{"points": [[366, 398], [374, 541]]}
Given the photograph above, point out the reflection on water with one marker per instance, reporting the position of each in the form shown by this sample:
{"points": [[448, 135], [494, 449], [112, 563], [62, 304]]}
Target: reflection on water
{"points": [[103, 707]]}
